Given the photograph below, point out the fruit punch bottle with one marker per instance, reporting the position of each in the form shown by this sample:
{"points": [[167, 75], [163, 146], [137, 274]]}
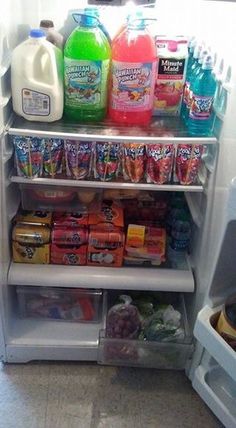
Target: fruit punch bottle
{"points": [[86, 68]]}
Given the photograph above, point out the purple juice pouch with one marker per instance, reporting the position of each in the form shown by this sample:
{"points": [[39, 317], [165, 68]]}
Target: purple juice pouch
{"points": [[53, 156], [78, 158], [29, 153]]}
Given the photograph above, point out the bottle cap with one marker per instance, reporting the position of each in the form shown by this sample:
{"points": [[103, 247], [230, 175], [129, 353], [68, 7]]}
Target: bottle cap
{"points": [[92, 11], [173, 46], [36, 33], [192, 44], [197, 51], [89, 20], [46, 23], [218, 70], [203, 53], [208, 62]]}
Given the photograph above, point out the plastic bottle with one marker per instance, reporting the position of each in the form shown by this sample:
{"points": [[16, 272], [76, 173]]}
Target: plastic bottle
{"points": [[138, 14], [223, 87], [51, 34], [181, 232], [203, 89], [133, 75], [190, 70], [93, 11], [87, 56], [37, 79]]}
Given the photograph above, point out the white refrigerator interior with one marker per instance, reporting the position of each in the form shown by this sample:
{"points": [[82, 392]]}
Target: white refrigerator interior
{"points": [[208, 275]]}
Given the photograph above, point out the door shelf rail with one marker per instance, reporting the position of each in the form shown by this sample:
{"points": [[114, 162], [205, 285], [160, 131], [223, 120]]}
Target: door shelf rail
{"points": [[211, 340]]}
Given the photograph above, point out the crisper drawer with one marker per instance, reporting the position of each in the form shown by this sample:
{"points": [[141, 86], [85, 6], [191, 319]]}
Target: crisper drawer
{"points": [[143, 353], [57, 198], [153, 347], [60, 304]]}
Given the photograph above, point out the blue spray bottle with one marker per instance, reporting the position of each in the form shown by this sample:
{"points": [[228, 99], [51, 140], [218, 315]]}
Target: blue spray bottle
{"points": [[203, 91]]}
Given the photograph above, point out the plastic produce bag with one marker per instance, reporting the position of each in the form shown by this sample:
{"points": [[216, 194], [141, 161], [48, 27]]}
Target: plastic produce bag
{"points": [[163, 326], [123, 320]]}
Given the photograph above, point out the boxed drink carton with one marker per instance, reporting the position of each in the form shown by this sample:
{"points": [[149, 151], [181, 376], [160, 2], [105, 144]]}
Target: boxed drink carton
{"points": [[172, 56]]}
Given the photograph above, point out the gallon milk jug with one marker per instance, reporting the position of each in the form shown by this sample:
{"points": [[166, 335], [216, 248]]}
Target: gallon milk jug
{"points": [[37, 79]]}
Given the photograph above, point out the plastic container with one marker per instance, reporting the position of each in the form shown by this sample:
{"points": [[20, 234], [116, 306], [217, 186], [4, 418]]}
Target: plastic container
{"points": [[86, 67], [37, 79], [52, 35], [226, 325], [63, 199], [60, 304], [203, 91], [133, 75]]}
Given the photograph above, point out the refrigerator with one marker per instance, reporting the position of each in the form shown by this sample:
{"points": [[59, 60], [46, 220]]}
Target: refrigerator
{"points": [[208, 275]]}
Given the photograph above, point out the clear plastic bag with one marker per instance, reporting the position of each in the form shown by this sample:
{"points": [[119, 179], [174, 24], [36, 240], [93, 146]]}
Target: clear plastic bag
{"points": [[123, 320]]}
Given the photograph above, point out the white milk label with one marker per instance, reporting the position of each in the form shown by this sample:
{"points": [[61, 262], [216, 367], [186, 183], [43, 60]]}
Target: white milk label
{"points": [[35, 103]]}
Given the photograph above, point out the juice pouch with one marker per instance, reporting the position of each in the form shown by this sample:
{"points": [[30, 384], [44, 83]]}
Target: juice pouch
{"points": [[171, 71], [133, 161]]}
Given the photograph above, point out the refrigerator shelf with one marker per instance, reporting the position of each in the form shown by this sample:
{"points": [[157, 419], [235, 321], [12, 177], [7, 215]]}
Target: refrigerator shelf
{"points": [[124, 278], [63, 182], [161, 130], [213, 342]]}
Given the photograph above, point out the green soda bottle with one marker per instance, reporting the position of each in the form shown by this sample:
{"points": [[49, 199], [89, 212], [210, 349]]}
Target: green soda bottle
{"points": [[87, 57]]}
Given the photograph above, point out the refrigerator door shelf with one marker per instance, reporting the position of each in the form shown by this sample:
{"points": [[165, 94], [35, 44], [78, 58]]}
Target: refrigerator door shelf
{"points": [[160, 131], [218, 390], [124, 278], [213, 342]]}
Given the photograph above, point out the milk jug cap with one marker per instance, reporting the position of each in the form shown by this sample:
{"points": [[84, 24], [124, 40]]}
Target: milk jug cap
{"points": [[36, 33]]}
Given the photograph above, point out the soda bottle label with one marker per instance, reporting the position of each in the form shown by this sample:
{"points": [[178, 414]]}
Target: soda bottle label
{"points": [[85, 82], [132, 85], [201, 107]]}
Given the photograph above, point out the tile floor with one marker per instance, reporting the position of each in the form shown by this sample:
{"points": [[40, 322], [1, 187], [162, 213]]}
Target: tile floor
{"points": [[71, 395]]}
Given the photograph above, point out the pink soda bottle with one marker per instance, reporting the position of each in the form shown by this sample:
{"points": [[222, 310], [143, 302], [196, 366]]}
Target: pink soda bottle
{"points": [[133, 75]]}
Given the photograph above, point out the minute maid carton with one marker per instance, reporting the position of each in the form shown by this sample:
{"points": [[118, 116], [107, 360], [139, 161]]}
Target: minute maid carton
{"points": [[171, 70]]}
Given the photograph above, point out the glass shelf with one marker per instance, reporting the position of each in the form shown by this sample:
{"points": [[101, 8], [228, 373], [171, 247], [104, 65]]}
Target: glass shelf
{"points": [[63, 182], [160, 130]]}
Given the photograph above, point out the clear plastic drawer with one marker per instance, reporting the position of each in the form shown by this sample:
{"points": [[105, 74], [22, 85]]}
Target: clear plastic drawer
{"points": [[65, 304]]}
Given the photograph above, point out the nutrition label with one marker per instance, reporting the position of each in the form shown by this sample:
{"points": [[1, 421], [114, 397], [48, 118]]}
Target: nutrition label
{"points": [[35, 103]]}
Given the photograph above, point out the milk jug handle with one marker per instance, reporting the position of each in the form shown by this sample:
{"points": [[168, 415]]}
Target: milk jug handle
{"points": [[44, 50]]}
